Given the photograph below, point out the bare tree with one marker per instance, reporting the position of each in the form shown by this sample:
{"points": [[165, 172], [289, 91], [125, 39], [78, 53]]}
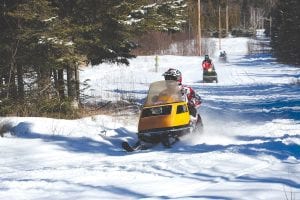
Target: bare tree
{"points": [[257, 17]]}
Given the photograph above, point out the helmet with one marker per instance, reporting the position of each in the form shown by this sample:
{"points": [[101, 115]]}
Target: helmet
{"points": [[173, 74], [206, 57]]}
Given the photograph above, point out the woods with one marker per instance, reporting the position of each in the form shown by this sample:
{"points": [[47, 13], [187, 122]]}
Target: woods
{"points": [[43, 43], [240, 18], [285, 39]]}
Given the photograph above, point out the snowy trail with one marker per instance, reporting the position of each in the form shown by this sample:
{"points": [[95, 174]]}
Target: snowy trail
{"points": [[250, 148]]}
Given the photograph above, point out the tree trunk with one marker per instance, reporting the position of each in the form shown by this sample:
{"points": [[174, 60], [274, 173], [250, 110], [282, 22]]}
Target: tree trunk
{"points": [[2, 84], [77, 84], [12, 88], [21, 93], [44, 82], [61, 83], [71, 82]]}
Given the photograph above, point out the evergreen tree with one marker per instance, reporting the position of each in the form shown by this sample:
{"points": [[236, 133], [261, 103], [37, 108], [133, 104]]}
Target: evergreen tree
{"points": [[24, 24], [50, 38], [285, 31], [35, 47]]}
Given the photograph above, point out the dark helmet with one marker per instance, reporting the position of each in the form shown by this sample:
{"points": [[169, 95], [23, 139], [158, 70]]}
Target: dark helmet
{"points": [[206, 57], [173, 74]]}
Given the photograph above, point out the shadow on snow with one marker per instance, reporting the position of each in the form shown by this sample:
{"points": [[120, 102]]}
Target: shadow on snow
{"points": [[273, 146], [255, 103], [110, 145]]}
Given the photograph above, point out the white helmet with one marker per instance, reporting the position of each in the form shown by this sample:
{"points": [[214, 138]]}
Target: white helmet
{"points": [[173, 74]]}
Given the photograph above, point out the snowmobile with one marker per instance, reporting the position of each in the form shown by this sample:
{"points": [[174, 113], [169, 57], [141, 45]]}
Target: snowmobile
{"points": [[223, 57], [164, 117], [210, 75]]}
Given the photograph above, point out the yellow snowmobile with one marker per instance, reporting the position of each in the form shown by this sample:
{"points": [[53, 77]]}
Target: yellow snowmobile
{"points": [[164, 117]]}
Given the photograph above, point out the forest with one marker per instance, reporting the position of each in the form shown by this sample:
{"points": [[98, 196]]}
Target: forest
{"points": [[43, 43]]}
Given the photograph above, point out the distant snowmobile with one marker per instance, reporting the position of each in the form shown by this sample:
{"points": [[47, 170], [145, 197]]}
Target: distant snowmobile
{"points": [[209, 73], [223, 57], [164, 118]]}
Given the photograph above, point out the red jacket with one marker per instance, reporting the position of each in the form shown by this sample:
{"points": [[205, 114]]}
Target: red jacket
{"points": [[206, 65], [192, 98]]}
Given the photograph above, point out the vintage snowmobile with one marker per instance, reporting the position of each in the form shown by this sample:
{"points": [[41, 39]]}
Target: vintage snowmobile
{"points": [[164, 117], [209, 73]]}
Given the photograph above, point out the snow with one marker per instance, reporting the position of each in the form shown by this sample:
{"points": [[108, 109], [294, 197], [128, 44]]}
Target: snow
{"points": [[249, 148]]}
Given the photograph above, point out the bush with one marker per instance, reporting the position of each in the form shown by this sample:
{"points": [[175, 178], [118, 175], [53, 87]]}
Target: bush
{"points": [[239, 32], [39, 108], [4, 128], [216, 34]]}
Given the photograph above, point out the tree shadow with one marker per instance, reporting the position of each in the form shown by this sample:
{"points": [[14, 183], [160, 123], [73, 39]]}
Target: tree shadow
{"points": [[109, 146], [77, 187], [273, 146], [253, 60], [255, 103], [282, 181]]}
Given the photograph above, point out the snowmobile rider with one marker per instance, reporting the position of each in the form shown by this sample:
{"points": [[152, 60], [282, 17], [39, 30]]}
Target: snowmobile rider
{"points": [[222, 54], [193, 100], [207, 63]]}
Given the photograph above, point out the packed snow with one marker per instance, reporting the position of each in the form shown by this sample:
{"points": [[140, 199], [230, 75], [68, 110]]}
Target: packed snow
{"points": [[250, 147]]}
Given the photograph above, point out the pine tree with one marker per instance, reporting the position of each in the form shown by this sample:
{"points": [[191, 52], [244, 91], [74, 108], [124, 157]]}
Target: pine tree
{"points": [[49, 38], [285, 31], [24, 24]]}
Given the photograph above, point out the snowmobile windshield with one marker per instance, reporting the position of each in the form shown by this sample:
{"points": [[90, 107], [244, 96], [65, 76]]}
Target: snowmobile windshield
{"points": [[163, 92]]}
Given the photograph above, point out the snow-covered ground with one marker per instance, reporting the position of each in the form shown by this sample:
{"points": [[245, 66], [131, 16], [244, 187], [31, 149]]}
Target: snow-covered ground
{"points": [[250, 148]]}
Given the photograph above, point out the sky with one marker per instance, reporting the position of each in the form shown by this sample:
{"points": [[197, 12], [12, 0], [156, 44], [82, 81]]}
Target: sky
{"points": [[249, 148]]}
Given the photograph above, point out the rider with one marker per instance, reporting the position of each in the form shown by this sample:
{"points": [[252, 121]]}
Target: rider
{"points": [[207, 63], [222, 56], [222, 53], [193, 99]]}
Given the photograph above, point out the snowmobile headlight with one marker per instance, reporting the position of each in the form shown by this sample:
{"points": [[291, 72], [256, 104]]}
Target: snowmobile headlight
{"points": [[156, 111]]}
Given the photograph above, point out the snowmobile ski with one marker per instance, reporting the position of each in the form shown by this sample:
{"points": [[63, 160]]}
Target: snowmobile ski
{"points": [[126, 146], [140, 145]]}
